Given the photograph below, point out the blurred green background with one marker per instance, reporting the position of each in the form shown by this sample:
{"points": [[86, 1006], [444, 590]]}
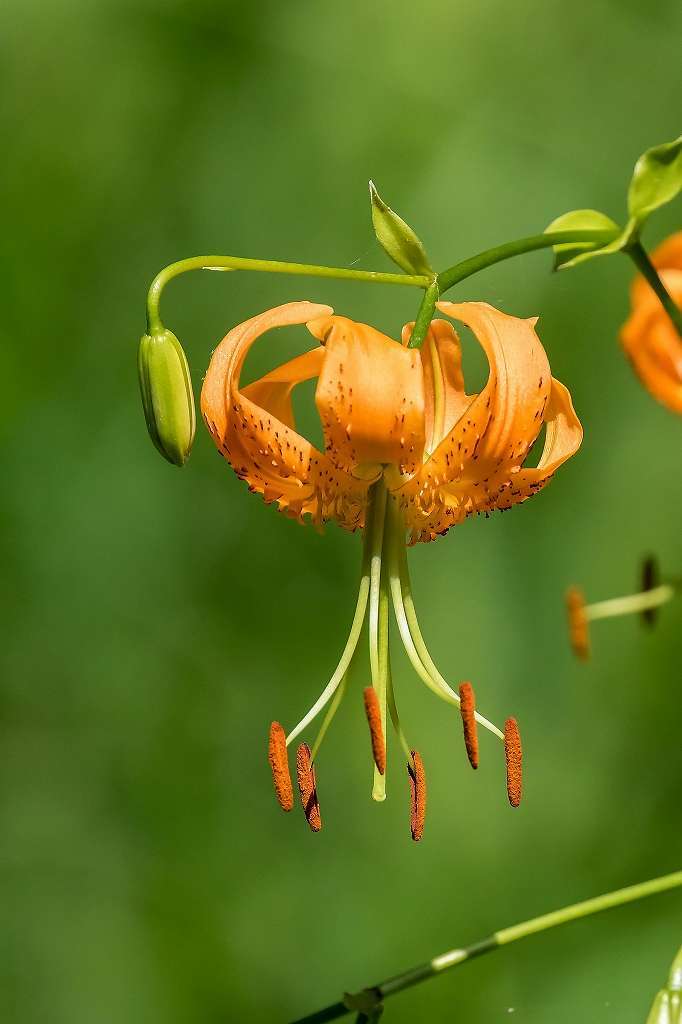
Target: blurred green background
{"points": [[155, 621]]}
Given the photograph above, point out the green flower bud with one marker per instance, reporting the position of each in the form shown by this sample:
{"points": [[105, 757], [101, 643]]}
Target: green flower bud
{"points": [[667, 1006], [660, 1011], [397, 238], [167, 398]]}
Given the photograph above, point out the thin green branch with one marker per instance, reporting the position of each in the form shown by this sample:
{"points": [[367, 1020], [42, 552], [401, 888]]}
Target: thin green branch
{"points": [[374, 996], [424, 315], [466, 268], [433, 289], [266, 266]]}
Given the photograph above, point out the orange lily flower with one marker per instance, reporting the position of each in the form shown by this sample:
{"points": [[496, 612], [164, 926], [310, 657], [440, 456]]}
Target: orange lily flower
{"points": [[407, 451], [649, 338], [382, 418]]}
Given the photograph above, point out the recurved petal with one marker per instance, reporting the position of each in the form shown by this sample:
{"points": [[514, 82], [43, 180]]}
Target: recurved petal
{"points": [[273, 391], [668, 256], [652, 343], [227, 360], [518, 386], [669, 253], [431, 510], [563, 437], [254, 429], [441, 354], [370, 397], [477, 468]]}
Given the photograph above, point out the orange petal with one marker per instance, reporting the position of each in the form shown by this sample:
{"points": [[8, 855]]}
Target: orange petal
{"points": [[441, 354], [668, 256], [563, 438], [651, 341], [370, 397], [518, 385], [273, 391], [477, 467], [254, 428]]}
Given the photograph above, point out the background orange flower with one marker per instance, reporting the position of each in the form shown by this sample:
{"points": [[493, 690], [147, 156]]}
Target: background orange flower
{"points": [[649, 337]]}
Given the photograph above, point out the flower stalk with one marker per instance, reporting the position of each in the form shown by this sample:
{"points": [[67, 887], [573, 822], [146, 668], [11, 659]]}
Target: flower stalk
{"points": [[453, 275], [369, 1000]]}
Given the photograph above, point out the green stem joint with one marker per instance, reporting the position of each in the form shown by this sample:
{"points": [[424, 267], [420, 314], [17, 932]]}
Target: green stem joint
{"points": [[371, 999]]}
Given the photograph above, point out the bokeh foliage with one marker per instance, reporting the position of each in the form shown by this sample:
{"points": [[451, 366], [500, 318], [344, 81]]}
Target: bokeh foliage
{"points": [[155, 619]]}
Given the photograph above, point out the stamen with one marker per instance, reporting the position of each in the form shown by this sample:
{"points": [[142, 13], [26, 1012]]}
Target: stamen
{"points": [[373, 712], [279, 763], [467, 708], [578, 626], [307, 787], [346, 657], [329, 715], [378, 619], [630, 605], [408, 626], [513, 756], [393, 711], [415, 771]]}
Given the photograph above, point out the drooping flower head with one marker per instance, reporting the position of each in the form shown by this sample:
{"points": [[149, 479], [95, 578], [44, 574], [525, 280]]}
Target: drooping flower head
{"points": [[649, 337], [407, 452], [392, 413]]}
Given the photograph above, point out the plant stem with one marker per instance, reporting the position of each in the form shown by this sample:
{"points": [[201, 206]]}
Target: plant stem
{"points": [[646, 268], [424, 315], [453, 275], [466, 268], [375, 994], [269, 266], [433, 288]]}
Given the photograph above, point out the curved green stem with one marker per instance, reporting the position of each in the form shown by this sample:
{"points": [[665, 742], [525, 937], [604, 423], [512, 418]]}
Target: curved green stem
{"points": [[267, 266], [648, 271], [373, 996], [424, 315], [453, 275]]}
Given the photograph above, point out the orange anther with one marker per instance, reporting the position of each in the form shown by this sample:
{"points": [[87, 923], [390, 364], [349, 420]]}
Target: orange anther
{"points": [[279, 763]]}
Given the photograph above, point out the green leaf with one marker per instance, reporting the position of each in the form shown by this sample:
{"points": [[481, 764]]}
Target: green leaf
{"points": [[397, 238], [656, 180], [568, 254]]}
